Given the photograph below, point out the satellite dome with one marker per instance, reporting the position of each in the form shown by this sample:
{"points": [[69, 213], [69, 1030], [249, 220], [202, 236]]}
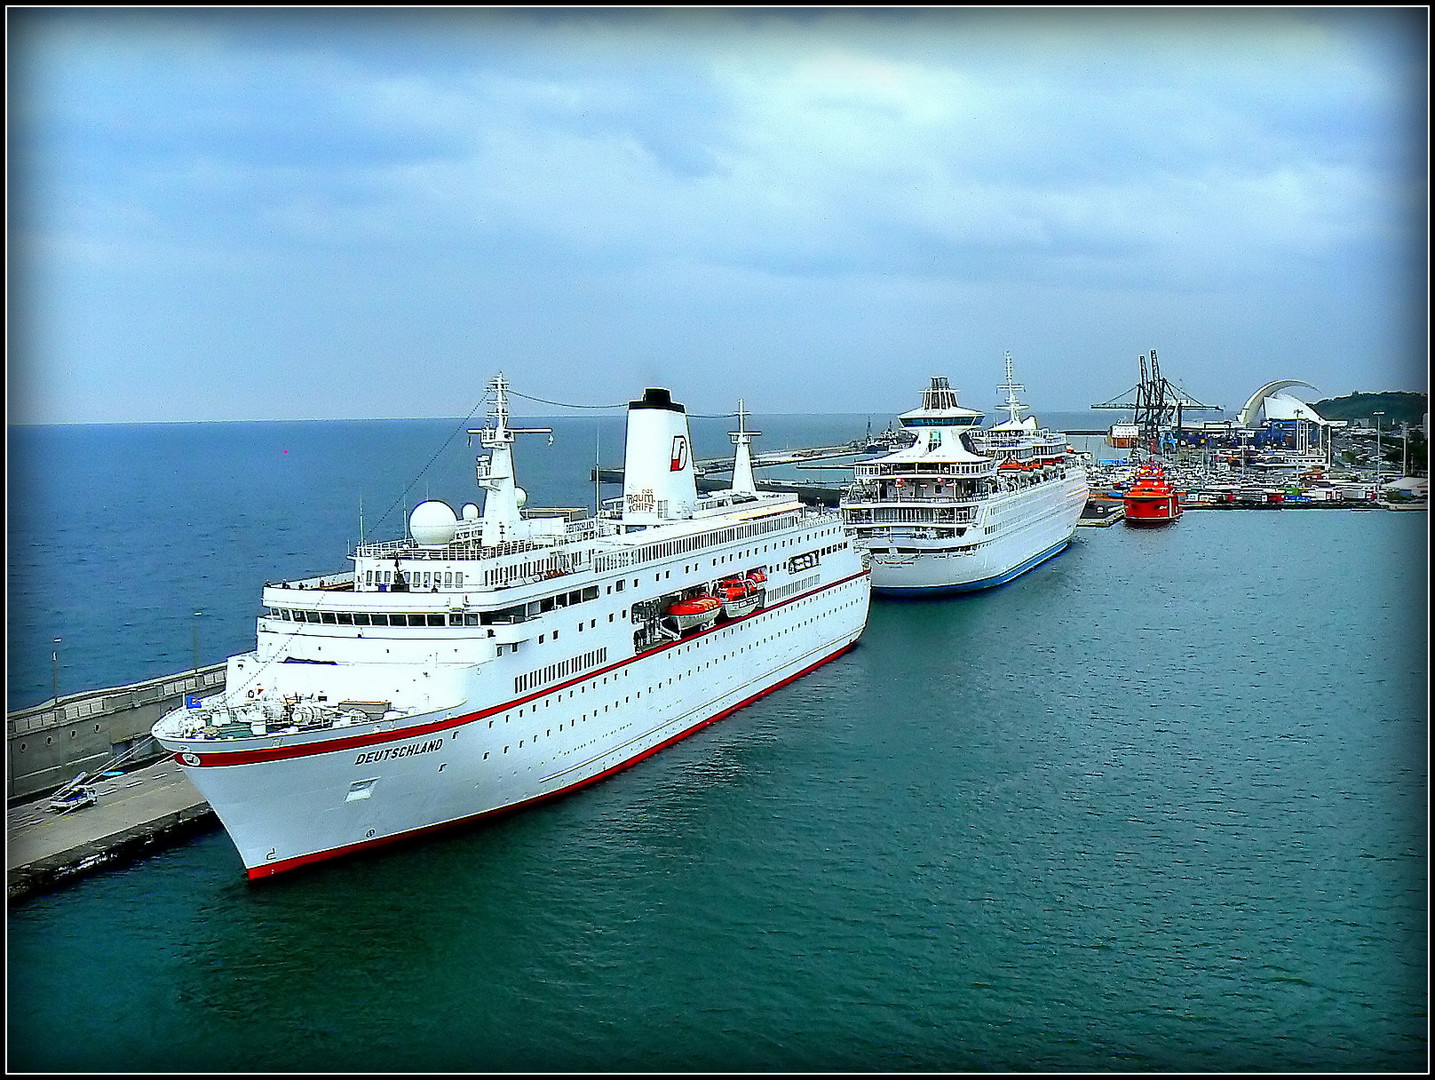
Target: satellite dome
{"points": [[520, 497], [432, 523], [470, 511]]}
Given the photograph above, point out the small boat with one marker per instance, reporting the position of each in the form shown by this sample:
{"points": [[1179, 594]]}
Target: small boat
{"points": [[1151, 499], [695, 611], [740, 596]]}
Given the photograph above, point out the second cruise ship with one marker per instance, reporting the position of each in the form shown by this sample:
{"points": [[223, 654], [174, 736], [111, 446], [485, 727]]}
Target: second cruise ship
{"points": [[964, 507]]}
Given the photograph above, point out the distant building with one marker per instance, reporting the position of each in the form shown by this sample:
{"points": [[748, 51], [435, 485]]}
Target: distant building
{"points": [[1286, 420]]}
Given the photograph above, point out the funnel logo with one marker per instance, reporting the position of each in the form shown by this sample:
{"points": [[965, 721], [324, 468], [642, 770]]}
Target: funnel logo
{"points": [[680, 454]]}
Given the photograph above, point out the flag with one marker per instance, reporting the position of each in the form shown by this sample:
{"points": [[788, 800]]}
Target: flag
{"points": [[191, 701]]}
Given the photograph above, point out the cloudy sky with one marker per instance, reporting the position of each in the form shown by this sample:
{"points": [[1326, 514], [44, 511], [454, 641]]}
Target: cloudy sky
{"points": [[228, 214]]}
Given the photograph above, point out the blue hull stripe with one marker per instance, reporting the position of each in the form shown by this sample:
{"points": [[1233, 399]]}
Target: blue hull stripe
{"points": [[973, 586]]}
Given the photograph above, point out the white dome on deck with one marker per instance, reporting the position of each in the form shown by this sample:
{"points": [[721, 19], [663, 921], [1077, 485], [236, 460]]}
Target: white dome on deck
{"points": [[432, 523], [470, 511]]}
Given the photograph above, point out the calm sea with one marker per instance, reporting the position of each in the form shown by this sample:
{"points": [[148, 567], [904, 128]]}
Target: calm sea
{"points": [[1158, 805]]}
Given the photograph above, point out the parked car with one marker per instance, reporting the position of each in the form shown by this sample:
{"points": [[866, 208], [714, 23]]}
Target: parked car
{"points": [[73, 798]]}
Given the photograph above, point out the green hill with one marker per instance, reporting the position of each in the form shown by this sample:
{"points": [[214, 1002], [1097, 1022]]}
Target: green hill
{"points": [[1397, 405]]}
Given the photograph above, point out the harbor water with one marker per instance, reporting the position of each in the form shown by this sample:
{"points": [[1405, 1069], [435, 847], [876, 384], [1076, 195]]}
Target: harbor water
{"points": [[1159, 805]]}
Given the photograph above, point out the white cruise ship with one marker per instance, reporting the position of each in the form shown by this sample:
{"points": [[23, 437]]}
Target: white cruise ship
{"points": [[495, 658], [964, 507]]}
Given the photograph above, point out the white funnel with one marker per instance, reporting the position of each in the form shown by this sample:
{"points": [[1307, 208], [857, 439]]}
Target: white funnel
{"points": [[658, 480]]}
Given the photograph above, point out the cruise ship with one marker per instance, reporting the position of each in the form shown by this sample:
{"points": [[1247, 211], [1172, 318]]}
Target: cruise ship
{"points": [[964, 507], [493, 658]]}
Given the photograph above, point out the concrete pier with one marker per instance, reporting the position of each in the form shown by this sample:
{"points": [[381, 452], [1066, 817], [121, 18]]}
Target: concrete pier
{"points": [[136, 812]]}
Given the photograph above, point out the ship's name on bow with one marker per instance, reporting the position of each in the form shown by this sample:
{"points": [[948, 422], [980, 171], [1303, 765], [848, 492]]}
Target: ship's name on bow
{"points": [[391, 752]]}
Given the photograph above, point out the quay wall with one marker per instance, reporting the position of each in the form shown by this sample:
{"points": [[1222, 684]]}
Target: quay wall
{"points": [[46, 745]]}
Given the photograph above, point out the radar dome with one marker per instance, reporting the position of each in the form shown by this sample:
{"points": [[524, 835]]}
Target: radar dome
{"points": [[520, 497], [470, 511], [432, 523]]}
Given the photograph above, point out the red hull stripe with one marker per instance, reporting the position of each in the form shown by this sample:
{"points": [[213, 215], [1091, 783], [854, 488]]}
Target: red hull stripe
{"points": [[270, 869], [187, 758]]}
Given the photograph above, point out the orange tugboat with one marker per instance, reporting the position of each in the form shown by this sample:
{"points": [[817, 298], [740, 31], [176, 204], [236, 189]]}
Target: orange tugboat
{"points": [[1151, 500]]}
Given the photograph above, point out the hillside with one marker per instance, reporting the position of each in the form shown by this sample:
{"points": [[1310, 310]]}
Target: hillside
{"points": [[1397, 405]]}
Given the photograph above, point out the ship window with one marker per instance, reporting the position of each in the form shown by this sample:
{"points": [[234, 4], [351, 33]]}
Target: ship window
{"points": [[361, 618], [368, 577], [328, 617], [346, 618], [312, 616], [470, 619], [448, 577], [435, 620], [455, 618], [380, 618], [458, 579]]}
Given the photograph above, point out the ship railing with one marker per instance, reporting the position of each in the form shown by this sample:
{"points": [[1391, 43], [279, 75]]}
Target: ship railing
{"points": [[467, 550], [874, 496], [924, 469], [321, 582], [613, 560], [905, 515]]}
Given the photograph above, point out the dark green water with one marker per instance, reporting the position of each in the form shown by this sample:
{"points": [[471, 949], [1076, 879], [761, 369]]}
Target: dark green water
{"points": [[1158, 805]]}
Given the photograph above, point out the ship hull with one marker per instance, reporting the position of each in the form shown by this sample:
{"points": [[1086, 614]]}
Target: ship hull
{"points": [[1034, 525], [1151, 512], [330, 798]]}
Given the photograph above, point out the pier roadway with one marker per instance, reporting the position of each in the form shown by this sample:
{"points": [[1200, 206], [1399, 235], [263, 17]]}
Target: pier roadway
{"points": [[136, 811]]}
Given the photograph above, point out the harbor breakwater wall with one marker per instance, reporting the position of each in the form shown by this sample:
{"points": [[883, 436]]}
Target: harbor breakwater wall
{"points": [[46, 745]]}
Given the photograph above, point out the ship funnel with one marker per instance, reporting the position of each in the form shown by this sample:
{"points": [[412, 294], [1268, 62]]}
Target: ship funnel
{"points": [[658, 479]]}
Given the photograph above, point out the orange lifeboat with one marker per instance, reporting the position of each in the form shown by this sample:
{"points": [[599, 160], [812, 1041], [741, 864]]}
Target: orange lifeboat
{"points": [[694, 611], [740, 596]]}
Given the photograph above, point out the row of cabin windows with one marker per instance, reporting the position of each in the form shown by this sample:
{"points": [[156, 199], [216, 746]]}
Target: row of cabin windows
{"points": [[376, 618], [416, 579]]}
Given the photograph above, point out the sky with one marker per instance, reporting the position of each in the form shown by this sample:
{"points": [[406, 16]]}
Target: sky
{"points": [[234, 214]]}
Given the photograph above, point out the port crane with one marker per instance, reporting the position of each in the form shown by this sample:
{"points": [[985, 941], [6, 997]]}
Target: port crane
{"points": [[1156, 402]]}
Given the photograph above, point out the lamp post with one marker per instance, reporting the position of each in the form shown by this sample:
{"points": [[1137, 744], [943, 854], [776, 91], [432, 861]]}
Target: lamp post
{"points": [[1378, 455], [55, 668]]}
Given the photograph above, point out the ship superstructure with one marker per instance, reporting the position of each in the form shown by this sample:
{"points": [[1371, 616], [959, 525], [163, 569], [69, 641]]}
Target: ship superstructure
{"points": [[497, 657], [964, 507]]}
